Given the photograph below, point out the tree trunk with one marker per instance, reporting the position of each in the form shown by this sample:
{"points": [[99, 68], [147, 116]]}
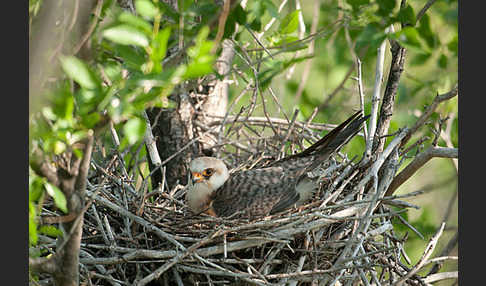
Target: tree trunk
{"points": [[173, 129]]}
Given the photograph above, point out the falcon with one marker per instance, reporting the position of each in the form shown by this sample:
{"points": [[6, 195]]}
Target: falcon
{"points": [[265, 191]]}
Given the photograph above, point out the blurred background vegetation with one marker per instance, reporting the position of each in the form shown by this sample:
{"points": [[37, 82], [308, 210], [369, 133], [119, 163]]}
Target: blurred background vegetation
{"points": [[299, 76], [431, 67]]}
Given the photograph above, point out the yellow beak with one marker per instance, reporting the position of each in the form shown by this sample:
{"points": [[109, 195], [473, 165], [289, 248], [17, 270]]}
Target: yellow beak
{"points": [[197, 177]]}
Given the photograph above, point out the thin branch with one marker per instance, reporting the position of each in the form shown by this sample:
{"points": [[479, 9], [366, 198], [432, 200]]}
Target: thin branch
{"points": [[447, 249], [427, 5], [156, 274], [87, 35], [221, 25], [376, 96], [151, 143], [430, 109], [428, 251], [418, 162], [441, 276]]}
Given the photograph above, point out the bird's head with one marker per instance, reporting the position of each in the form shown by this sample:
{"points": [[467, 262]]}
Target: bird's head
{"points": [[208, 173]]}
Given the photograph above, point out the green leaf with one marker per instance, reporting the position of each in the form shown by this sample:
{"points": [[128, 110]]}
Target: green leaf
{"points": [[159, 48], [201, 67], [126, 35], [35, 188], [63, 105], [256, 10], [426, 33], [50, 230], [452, 45], [407, 15], [89, 120], [289, 23], [57, 195], [240, 14], [59, 147], [78, 71], [276, 67], [408, 37], [135, 21], [134, 129], [146, 8], [133, 58], [32, 225], [385, 7], [420, 58], [202, 60], [256, 24], [271, 8], [442, 62], [113, 71]]}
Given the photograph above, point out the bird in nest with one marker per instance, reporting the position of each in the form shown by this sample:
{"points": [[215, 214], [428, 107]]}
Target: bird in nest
{"points": [[260, 192]]}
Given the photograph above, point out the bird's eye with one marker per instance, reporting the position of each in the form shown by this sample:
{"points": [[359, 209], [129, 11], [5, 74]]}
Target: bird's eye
{"points": [[208, 172]]}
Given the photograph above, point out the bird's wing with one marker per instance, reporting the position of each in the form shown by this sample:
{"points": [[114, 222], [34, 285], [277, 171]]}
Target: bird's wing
{"points": [[255, 193], [269, 190]]}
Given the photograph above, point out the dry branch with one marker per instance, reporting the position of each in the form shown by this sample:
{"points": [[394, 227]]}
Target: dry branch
{"points": [[418, 162]]}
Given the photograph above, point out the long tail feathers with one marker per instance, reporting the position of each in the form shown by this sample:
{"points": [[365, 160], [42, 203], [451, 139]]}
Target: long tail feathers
{"points": [[333, 140]]}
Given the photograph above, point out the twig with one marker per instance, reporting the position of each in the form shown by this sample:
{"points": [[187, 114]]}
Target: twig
{"points": [[86, 36], [418, 162], [155, 274], [361, 97], [221, 25], [151, 143], [422, 11], [376, 97], [289, 131], [139, 220], [447, 249], [430, 109], [441, 276], [427, 252], [386, 110]]}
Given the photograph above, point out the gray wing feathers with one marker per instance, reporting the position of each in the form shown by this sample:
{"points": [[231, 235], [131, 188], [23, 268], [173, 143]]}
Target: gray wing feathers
{"points": [[256, 192], [273, 189]]}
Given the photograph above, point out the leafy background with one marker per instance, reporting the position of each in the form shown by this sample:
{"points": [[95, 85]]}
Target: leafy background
{"points": [[430, 68]]}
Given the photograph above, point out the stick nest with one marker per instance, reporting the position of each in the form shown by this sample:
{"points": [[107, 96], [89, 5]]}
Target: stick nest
{"points": [[344, 234]]}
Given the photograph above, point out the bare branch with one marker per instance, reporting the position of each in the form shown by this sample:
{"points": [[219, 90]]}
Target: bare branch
{"points": [[376, 97], [418, 162], [426, 7], [428, 251], [429, 110]]}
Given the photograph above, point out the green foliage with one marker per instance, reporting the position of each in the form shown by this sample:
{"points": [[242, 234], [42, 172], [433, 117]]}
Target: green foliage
{"points": [[32, 224], [57, 195], [146, 9], [134, 129], [127, 76], [34, 6], [38, 187], [289, 23], [50, 230], [430, 68], [126, 35]]}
